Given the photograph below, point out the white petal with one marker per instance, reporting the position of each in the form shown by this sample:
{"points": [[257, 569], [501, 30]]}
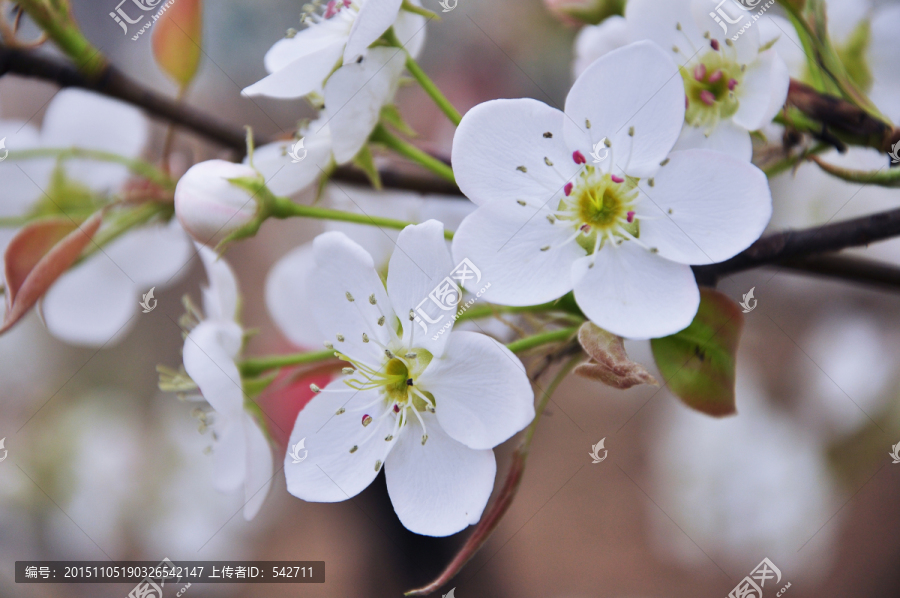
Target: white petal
{"points": [[94, 304], [302, 76], [154, 255], [283, 175], [634, 293], [343, 267], [497, 137], [410, 30], [420, 264], [504, 240], [85, 119], [727, 138], [788, 45], [306, 43], [744, 45], [259, 467], [637, 86], [229, 452], [706, 207], [653, 20], [763, 91], [221, 296], [481, 391], [593, 41], [374, 18], [355, 95], [441, 487], [287, 297], [330, 472], [209, 353]]}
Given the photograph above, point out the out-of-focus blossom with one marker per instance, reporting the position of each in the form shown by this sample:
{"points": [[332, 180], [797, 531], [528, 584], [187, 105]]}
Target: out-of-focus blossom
{"points": [[751, 485], [241, 452], [209, 206], [290, 280], [407, 402], [731, 86], [302, 62], [95, 302], [621, 229]]}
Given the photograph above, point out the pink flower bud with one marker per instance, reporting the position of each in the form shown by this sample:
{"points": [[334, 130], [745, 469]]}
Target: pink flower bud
{"points": [[208, 206]]}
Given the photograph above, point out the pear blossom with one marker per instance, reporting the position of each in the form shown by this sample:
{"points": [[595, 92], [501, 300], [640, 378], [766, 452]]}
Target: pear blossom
{"points": [[427, 407], [291, 278], [732, 83], [208, 205], [241, 452], [593, 199], [94, 303], [302, 62], [354, 98]]}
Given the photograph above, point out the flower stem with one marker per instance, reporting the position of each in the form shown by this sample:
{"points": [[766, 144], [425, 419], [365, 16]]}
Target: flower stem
{"points": [[282, 207], [407, 150], [256, 366], [250, 368], [432, 90], [138, 167], [544, 338]]}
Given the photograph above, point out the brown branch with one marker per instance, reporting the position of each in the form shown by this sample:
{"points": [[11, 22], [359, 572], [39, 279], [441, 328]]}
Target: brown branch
{"points": [[849, 268], [793, 244], [114, 83]]}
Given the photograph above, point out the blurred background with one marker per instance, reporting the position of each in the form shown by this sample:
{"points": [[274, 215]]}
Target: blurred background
{"points": [[102, 465]]}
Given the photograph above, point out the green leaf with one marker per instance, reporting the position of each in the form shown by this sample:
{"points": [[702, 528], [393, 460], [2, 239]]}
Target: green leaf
{"points": [[366, 163], [390, 114], [698, 363]]}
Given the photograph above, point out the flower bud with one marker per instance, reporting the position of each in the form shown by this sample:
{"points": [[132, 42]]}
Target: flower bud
{"points": [[591, 12], [210, 207]]}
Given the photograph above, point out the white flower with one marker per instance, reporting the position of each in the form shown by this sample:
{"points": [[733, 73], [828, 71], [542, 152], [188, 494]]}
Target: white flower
{"points": [[731, 87], [354, 98], [622, 232], [242, 457], [94, 303], [289, 281], [428, 407], [209, 206], [300, 65]]}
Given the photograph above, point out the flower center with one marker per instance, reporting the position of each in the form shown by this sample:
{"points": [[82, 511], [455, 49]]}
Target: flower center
{"points": [[311, 11], [600, 207], [709, 89]]}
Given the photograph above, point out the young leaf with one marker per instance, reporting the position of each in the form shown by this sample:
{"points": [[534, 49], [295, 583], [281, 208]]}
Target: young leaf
{"points": [[177, 39], [886, 177], [609, 363], [698, 363], [38, 255]]}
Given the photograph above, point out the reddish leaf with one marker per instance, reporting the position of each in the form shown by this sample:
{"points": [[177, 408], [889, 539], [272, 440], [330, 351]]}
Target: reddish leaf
{"points": [[37, 256], [177, 40]]}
